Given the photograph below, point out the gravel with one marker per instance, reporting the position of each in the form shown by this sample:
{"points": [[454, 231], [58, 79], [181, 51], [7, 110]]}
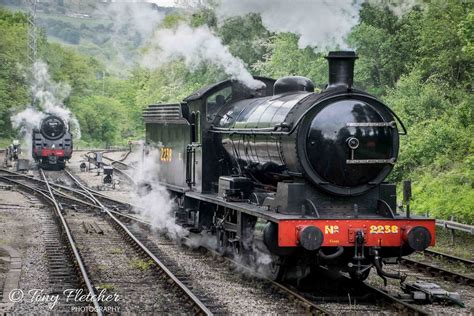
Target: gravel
{"points": [[19, 229]]}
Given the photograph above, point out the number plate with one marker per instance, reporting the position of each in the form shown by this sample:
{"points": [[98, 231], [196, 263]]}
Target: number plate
{"points": [[166, 154], [383, 229]]}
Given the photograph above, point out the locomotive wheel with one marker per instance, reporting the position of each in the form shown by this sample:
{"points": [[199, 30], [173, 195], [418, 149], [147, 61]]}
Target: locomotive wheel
{"points": [[275, 270], [221, 242]]}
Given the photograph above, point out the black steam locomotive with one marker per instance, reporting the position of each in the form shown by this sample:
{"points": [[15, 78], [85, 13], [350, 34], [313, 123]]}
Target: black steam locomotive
{"points": [[52, 143], [296, 174]]}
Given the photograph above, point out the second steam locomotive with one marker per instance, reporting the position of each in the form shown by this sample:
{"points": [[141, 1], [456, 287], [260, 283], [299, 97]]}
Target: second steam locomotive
{"points": [[297, 174], [52, 143]]}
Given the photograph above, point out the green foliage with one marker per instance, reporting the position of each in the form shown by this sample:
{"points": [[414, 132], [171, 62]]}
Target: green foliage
{"points": [[13, 91], [386, 46], [81, 70], [101, 119], [420, 64], [285, 59], [448, 193], [441, 43], [204, 16], [246, 37], [172, 20]]}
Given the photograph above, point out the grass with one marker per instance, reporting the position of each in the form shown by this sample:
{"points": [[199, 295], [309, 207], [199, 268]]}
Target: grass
{"points": [[106, 286], [4, 142], [463, 245], [142, 265]]}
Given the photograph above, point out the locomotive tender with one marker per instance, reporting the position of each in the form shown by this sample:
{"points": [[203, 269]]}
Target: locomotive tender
{"points": [[289, 171], [52, 143]]}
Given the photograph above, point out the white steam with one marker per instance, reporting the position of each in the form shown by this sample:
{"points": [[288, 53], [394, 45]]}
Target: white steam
{"points": [[152, 199], [196, 46], [321, 24], [398, 7], [48, 98], [133, 23]]}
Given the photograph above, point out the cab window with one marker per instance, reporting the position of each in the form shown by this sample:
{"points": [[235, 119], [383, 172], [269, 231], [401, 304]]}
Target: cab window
{"points": [[215, 102]]}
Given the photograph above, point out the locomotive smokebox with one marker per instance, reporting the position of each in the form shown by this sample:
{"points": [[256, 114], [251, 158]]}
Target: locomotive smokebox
{"points": [[341, 68]]}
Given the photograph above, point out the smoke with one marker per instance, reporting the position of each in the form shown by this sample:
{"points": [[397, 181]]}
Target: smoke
{"points": [[133, 23], [151, 198], [135, 26], [196, 46], [155, 205], [398, 7], [48, 98], [320, 24]]}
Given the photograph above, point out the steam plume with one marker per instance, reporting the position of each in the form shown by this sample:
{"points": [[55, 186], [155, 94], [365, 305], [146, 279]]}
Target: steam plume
{"points": [[319, 24], [196, 46], [133, 23], [152, 199], [48, 99]]}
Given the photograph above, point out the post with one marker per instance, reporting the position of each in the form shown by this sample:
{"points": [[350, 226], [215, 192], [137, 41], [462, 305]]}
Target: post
{"points": [[452, 232]]}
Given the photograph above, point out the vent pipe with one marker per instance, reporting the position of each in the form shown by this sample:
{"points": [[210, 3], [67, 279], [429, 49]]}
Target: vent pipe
{"points": [[341, 69]]}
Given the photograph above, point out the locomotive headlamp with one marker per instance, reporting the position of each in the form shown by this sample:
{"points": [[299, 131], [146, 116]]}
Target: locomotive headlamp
{"points": [[311, 237], [353, 143]]}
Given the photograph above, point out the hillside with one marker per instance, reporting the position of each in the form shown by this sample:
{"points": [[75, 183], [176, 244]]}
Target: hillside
{"points": [[103, 30]]}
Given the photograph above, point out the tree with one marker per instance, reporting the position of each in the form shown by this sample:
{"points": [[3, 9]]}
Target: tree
{"points": [[13, 90]]}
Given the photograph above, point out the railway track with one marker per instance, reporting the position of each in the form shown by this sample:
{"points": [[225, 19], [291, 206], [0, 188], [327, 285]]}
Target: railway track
{"points": [[198, 306], [189, 301], [304, 300], [307, 301], [433, 269], [61, 272], [449, 258], [121, 171], [104, 202]]}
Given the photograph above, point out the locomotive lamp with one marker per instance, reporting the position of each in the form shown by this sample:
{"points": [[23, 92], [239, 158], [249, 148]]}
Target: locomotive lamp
{"points": [[407, 195]]}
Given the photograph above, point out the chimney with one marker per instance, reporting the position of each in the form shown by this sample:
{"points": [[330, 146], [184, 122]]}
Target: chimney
{"points": [[341, 69]]}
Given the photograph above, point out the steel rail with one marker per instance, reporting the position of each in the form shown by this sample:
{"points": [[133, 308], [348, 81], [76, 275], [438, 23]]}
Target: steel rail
{"points": [[118, 162], [434, 270], [72, 244], [434, 253], [401, 306], [395, 302], [309, 306], [312, 307], [53, 185], [97, 193], [196, 301], [120, 171], [455, 226]]}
